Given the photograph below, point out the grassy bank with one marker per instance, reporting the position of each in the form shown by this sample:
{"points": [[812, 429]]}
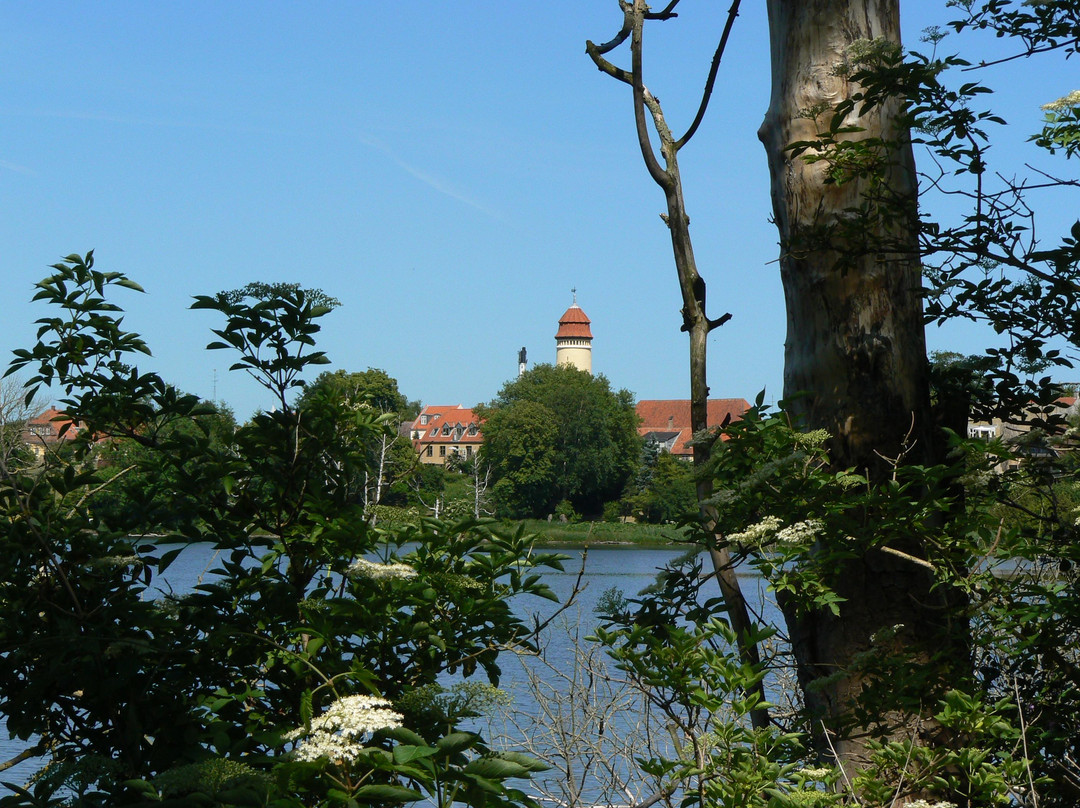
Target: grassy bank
{"points": [[586, 533]]}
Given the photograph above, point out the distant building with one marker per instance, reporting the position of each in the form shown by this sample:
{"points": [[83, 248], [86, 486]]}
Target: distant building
{"points": [[439, 433], [573, 341], [42, 432], [1018, 434], [667, 421]]}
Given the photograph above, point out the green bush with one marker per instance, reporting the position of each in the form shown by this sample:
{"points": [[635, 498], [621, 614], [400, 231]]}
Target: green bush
{"points": [[300, 673]]}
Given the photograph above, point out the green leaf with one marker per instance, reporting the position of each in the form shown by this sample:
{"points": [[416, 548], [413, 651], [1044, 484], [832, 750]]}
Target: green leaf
{"points": [[387, 792], [497, 768], [457, 742]]}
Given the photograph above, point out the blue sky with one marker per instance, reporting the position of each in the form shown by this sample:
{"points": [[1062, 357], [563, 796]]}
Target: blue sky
{"points": [[449, 171]]}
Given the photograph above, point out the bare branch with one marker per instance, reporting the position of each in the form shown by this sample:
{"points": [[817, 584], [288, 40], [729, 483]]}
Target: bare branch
{"points": [[668, 12], [659, 175], [710, 82]]}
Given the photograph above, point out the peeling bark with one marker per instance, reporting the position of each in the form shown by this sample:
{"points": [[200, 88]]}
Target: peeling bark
{"points": [[855, 357]]}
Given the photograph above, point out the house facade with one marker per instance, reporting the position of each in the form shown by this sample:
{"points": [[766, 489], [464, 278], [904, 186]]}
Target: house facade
{"points": [[43, 432], [667, 421], [441, 433]]}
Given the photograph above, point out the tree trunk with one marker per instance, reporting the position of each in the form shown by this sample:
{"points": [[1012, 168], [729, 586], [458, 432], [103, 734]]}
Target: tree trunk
{"points": [[855, 356]]}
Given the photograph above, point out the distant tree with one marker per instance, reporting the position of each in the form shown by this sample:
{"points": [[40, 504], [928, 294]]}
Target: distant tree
{"points": [[477, 471], [15, 411], [145, 493], [595, 447], [373, 386], [391, 457], [521, 441], [667, 493]]}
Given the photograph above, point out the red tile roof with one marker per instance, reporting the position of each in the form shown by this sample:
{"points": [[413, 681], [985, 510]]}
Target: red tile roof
{"points": [[574, 324], [673, 415], [453, 416]]}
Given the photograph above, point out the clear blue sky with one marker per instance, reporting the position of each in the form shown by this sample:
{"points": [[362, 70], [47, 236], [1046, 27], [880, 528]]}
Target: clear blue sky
{"points": [[448, 170]]}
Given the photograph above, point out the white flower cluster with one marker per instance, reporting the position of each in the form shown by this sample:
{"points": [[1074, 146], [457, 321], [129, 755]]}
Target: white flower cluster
{"points": [[757, 534], [920, 803], [800, 532], [769, 530], [815, 437], [1065, 102], [361, 568], [337, 733], [819, 773]]}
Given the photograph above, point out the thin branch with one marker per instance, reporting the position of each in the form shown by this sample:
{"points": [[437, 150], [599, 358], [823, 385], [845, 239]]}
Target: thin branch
{"points": [[604, 66], [667, 13], [733, 12], [1023, 54], [659, 175], [26, 754], [624, 32]]}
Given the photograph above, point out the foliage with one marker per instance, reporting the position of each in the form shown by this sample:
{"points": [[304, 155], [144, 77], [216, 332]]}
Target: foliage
{"points": [[391, 462], [138, 694], [373, 386], [665, 491], [557, 433], [521, 441], [15, 412], [142, 493], [673, 647]]}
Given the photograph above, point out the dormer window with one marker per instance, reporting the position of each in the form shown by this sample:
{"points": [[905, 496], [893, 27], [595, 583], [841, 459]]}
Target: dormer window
{"points": [[446, 430], [423, 419]]}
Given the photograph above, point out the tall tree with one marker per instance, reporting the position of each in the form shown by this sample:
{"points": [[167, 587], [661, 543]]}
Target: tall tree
{"points": [[696, 321], [595, 445], [855, 356], [845, 202]]}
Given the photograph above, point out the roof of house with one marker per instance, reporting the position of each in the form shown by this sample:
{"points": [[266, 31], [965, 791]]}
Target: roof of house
{"points": [[574, 324], [673, 415], [453, 416]]}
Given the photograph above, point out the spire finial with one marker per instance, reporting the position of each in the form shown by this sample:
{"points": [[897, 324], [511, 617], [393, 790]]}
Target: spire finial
{"points": [[574, 293]]}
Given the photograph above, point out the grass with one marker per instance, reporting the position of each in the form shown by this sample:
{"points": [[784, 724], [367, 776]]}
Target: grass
{"points": [[585, 533]]}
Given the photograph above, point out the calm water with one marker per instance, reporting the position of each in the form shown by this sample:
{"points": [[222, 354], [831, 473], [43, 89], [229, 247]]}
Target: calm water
{"points": [[533, 685]]}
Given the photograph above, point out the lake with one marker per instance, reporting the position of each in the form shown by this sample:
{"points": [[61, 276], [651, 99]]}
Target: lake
{"points": [[557, 696]]}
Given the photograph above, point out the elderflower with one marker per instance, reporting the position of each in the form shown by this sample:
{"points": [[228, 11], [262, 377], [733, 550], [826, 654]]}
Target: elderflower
{"points": [[1065, 102], [361, 568], [815, 437], [819, 773], [756, 534], [337, 733], [800, 532], [921, 803]]}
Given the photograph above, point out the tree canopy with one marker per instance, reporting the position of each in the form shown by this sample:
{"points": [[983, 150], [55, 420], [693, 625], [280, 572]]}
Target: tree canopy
{"points": [[584, 445], [373, 386]]}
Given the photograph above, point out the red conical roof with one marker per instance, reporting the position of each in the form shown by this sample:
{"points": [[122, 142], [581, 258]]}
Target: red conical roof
{"points": [[574, 324]]}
